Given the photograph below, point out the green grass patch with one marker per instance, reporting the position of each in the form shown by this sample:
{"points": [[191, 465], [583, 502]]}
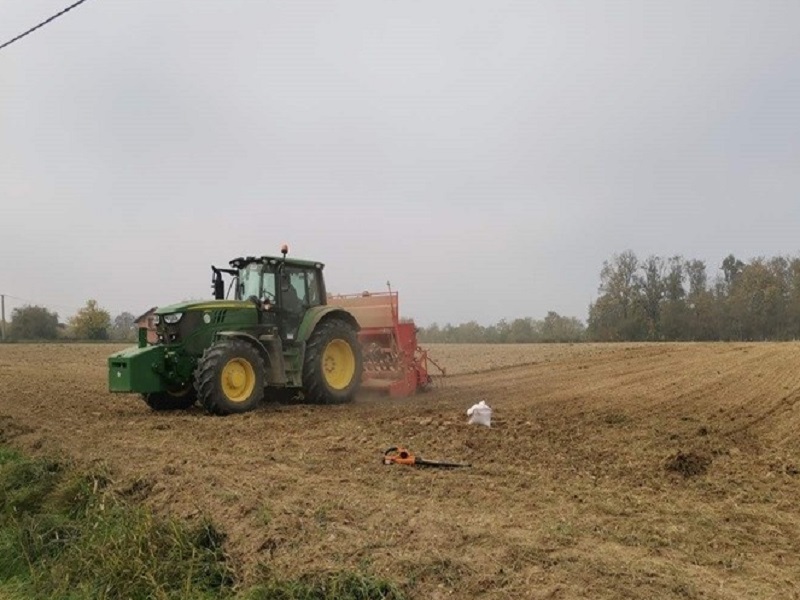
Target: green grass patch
{"points": [[343, 585], [64, 535]]}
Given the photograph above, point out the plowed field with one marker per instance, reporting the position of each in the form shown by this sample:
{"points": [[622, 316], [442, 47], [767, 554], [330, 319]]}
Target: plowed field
{"points": [[610, 471]]}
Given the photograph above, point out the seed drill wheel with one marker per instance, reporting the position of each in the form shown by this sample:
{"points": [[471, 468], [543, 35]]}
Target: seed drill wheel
{"points": [[230, 378], [332, 369], [178, 400]]}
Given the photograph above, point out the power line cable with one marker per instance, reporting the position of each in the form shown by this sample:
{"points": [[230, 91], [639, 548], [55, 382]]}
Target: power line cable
{"points": [[42, 24]]}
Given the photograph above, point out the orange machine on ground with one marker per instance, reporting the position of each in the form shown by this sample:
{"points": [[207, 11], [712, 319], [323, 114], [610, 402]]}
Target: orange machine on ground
{"points": [[393, 361]]}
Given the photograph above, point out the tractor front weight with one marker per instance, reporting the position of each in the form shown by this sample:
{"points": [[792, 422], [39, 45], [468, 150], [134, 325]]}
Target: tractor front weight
{"points": [[148, 370]]}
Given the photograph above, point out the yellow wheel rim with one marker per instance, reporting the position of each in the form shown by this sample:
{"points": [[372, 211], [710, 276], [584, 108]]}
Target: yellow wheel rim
{"points": [[338, 364], [238, 379]]}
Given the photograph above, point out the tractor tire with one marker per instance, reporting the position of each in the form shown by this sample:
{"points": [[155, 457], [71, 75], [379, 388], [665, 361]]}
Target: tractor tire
{"points": [[333, 363], [181, 400], [230, 378]]}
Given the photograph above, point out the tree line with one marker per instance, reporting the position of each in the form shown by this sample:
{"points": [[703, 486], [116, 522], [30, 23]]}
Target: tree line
{"points": [[90, 323], [553, 328], [672, 298], [663, 299], [652, 299]]}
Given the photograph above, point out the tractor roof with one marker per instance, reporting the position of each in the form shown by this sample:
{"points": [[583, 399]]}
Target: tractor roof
{"points": [[239, 262]]}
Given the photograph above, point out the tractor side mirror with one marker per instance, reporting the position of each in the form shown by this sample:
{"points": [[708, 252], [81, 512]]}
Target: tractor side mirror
{"points": [[218, 284]]}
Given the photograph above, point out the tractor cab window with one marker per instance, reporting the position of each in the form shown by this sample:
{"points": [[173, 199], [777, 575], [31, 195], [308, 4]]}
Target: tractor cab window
{"points": [[257, 280], [312, 283], [250, 281], [268, 286], [292, 291], [304, 286]]}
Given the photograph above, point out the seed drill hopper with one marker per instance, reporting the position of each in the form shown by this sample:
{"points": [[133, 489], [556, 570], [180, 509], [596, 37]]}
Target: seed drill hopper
{"points": [[393, 361]]}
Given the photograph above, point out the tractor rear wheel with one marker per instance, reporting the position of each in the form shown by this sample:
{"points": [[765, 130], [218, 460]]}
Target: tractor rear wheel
{"points": [[179, 400], [332, 367], [230, 378]]}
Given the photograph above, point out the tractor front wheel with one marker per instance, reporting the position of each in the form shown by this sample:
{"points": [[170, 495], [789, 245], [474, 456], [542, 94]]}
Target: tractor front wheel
{"points": [[230, 378], [179, 400], [332, 367]]}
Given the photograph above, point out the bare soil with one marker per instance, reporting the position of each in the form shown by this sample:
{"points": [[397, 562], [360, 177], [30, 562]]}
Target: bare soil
{"points": [[610, 471]]}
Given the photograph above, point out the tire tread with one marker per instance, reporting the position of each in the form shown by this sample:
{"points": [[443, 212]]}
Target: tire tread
{"points": [[314, 386], [206, 377]]}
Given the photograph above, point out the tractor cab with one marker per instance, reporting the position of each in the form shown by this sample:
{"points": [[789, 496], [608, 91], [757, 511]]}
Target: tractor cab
{"points": [[282, 290], [288, 286]]}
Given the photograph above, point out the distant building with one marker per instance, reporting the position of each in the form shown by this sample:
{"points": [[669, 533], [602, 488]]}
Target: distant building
{"points": [[147, 321]]}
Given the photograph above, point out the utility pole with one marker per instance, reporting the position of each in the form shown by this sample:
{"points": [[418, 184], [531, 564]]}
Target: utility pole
{"points": [[2, 317]]}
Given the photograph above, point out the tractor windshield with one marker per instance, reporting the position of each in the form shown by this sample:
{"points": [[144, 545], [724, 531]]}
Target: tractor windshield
{"points": [[256, 280], [250, 281]]}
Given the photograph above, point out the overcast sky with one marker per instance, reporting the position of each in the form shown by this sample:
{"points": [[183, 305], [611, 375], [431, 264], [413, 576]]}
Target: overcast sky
{"points": [[485, 157]]}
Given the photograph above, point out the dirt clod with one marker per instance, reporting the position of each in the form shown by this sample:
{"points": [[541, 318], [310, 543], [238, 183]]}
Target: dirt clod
{"points": [[689, 464]]}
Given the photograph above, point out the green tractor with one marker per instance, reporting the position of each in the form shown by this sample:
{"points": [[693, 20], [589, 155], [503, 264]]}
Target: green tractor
{"points": [[277, 336]]}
